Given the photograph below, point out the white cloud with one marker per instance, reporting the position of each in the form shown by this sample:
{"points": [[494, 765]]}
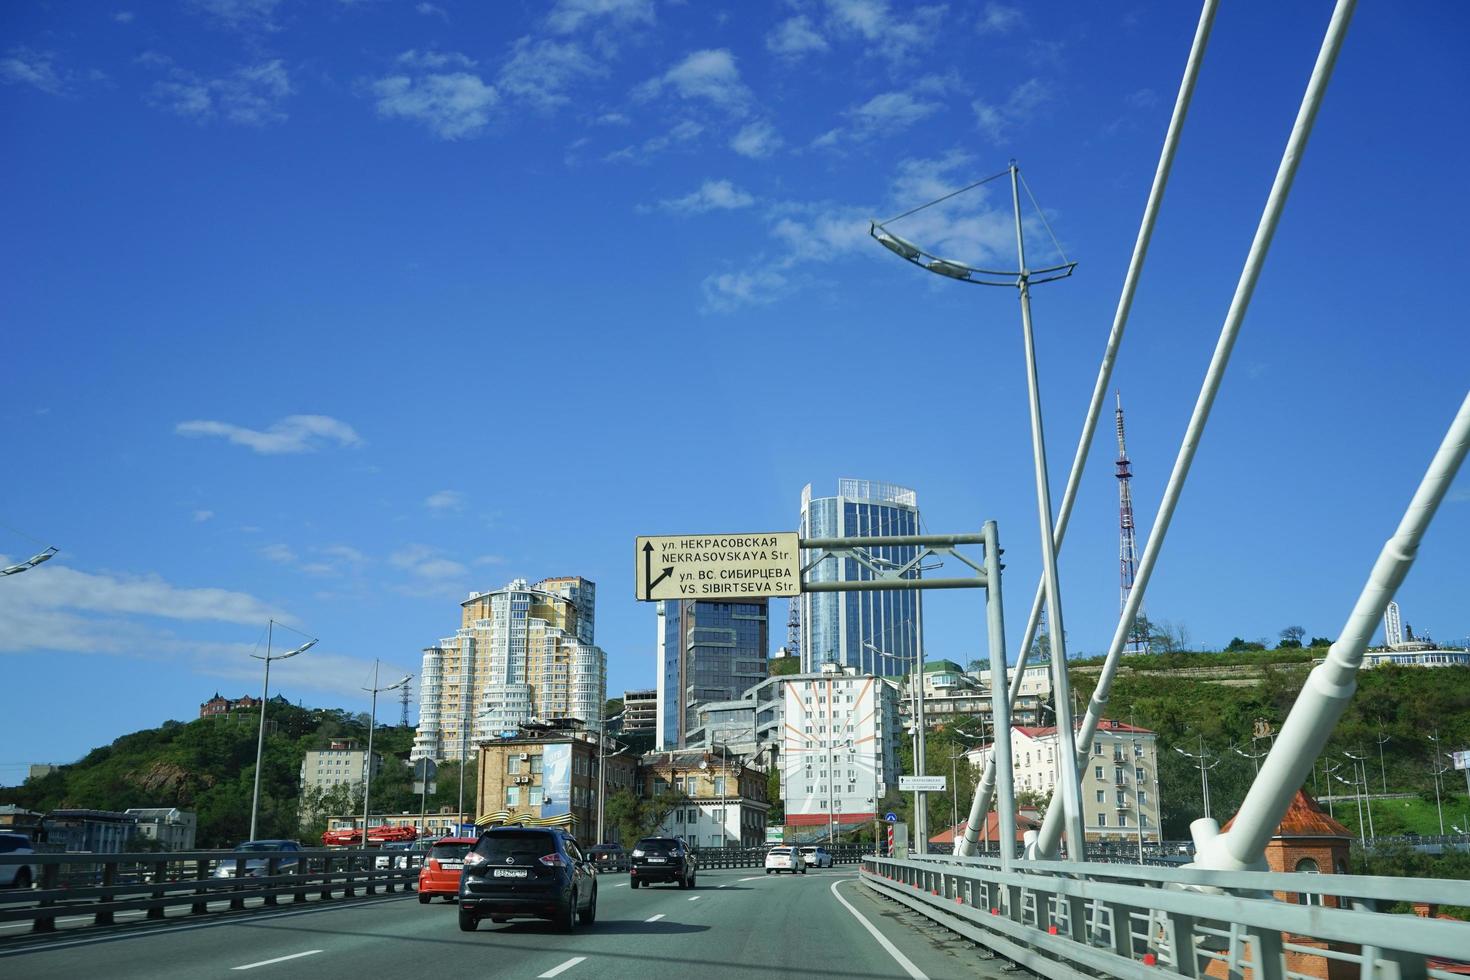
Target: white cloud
{"points": [[200, 516], [683, 132], [445, 500], [292, 434], [570, 15], [612, 119], [343, 552], [892, 36], [123, 16], [883, 114], [1460, 495], [995, 120], [726, 292], [756, 140], [490, 560], [414, 58], [999, 18], [55, 608], [709, 75], [452, 106], [279, 553], [427, 9], [426, 563], [24, 66], [795, 37], [251, 95], [712, 195], [540, 71]]}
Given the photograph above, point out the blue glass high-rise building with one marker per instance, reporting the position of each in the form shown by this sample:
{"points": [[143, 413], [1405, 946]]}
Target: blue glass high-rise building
{"points": [[708, 650], [844, 627]]}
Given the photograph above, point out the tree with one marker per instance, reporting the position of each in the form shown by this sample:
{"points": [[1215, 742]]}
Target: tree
{"points": [[782, 666], [1320, 641], [1237, 645], [777, 813], [637, 816], [1291, 638]]}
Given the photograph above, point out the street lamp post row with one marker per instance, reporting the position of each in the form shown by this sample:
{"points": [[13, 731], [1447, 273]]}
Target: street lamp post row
{"points": [[367, 779]]}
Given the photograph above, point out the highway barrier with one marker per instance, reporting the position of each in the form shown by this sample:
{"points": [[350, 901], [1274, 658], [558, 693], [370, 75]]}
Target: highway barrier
{"points": [[102, 885], [1083, 920], [755, 857]]}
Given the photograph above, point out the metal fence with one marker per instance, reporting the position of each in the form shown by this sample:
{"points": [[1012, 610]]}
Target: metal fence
{"points": [[102, 885], [755, 857], [1066, 920]]}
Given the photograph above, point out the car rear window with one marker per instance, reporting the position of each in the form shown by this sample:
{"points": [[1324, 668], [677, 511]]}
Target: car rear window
{"points": [[450, 852], [658, 845], [523, 846]]}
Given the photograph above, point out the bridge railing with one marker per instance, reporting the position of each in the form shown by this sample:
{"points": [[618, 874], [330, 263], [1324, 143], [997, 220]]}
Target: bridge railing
{"points": [[755, 857], [1060, 919], [102, 885]]}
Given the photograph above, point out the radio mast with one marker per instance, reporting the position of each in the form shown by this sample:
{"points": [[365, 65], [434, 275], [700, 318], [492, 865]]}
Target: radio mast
{"points": [[1127, 546]]}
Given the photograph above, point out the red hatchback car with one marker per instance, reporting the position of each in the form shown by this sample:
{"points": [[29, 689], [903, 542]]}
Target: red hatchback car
{"points": [[441, 870]]}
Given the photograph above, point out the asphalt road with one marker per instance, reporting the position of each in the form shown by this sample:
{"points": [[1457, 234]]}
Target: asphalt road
{"points": [[737, 923]]}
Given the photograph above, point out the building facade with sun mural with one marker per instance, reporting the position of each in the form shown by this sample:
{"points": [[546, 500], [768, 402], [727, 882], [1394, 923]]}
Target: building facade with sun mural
{"points": [[838, 755]]}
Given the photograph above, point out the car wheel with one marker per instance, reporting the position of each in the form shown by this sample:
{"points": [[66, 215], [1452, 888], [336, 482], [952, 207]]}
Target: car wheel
{"points": [[566, 920], [683, 883], [468, 921], [803, 870], [589, 914], [423, 899], [23, 878], [768, 871]]}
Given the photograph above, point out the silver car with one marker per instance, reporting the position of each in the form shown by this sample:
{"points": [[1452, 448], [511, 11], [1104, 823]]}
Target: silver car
{"points": [[17, 875], [284, 851]]}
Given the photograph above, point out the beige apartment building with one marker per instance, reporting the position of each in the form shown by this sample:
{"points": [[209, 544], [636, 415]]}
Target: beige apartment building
{"points": [[522, 652]]}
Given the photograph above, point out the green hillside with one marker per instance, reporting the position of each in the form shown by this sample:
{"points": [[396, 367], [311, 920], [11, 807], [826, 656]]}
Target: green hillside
{"points": [[208, 766]]}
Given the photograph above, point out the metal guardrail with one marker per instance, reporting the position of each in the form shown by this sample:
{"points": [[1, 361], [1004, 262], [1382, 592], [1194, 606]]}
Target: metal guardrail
{"points": [[104, 884], [1077, 921], [755, 857]]}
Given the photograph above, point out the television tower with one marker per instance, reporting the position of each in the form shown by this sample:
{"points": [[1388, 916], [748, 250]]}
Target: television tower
{"points": [[404, 694], [1127, 547]]}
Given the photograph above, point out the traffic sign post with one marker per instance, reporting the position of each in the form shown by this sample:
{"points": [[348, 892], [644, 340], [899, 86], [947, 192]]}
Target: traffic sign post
{"points": [[922, 784], [705, 566]]}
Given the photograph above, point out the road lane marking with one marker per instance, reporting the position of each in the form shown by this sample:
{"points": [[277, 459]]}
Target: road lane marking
{"points": [[278, 959], [756, 878], [655, 918], [554, 971], [623, 885], [696, 898], [892, 950], [725, 886]]}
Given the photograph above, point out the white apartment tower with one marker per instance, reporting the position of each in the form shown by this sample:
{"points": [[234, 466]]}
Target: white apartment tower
{"points": [[521, 652]]}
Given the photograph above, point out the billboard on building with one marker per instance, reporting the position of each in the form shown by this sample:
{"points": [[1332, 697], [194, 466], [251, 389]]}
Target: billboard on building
{"points": [[556, 780]]}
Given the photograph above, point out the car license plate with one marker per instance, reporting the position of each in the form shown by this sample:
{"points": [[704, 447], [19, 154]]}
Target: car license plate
{"points": [[656, 860], [510, 873], [451, 865]]}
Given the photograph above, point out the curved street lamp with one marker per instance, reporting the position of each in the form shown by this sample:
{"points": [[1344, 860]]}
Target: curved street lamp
{"points": [[367, 762], [1022, 279], [602, 758], [264, 695], [29, 563]]}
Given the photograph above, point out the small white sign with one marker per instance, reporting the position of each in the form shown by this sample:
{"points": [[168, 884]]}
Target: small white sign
{"points": [[1461, 759], [717, 566], [923, 784]]}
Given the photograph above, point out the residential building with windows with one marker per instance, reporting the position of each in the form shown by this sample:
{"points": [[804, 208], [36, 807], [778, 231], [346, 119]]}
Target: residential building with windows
{"points": [[344, 762], [708, 650], [724, 800], [522, 652], [1120, 778], [1035, 679], [545, 775], [218, 705], [640, 711], [846, 627], [168, 826], [441, 823]]}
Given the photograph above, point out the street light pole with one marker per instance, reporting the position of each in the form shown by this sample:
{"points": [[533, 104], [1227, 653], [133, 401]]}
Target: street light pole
{"points": [[1382, 769], [1360, 766], [367, 762], [264, 695], [601, 766], [1437, 771]]}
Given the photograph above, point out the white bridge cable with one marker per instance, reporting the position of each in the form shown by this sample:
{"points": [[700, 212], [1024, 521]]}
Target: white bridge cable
{"points": [[1330, 686], [985, 791], [1250, 273]]}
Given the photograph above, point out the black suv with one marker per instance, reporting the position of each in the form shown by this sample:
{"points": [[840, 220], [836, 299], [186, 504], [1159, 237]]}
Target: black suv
{"points": [[662, 859], [527, 872]]}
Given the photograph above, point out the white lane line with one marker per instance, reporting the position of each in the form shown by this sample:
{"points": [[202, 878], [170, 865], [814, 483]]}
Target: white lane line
{"points": [[725, 886], [623, 885], [278, 959], [554, 971], [756, 878], [696, 898], [892, 950], [655, 918]]}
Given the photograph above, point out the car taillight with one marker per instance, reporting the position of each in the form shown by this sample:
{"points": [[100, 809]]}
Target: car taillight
{"points": [[553, 860], [434, 864], [473, 859]]}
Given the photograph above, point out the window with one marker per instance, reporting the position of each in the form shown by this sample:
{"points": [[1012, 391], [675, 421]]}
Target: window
{"points": [[1102, 819], [513, 764], [1122, 820], [535, 796], [1097, 748], [1308, 866], [535, 764], [1097, 772], [1100, 796], [692, 816], [1138, 773], [512, 796], [719, 785], [1143, 819], [1143, 797]]}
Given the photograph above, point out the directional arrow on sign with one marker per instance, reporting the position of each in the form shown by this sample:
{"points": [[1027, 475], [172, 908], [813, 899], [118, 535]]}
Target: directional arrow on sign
{"points": [[648, 570]]}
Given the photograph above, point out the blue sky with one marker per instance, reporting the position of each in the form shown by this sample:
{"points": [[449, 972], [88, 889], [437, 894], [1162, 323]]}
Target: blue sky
{"points": [[334, 312]]}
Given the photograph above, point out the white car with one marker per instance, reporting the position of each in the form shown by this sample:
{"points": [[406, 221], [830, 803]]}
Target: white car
{"points": [[17, 875], [816, 857], [780, 859]]}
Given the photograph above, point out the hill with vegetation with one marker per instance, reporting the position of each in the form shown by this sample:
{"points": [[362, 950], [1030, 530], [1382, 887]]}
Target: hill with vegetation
{"points": [[208, 766]]}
